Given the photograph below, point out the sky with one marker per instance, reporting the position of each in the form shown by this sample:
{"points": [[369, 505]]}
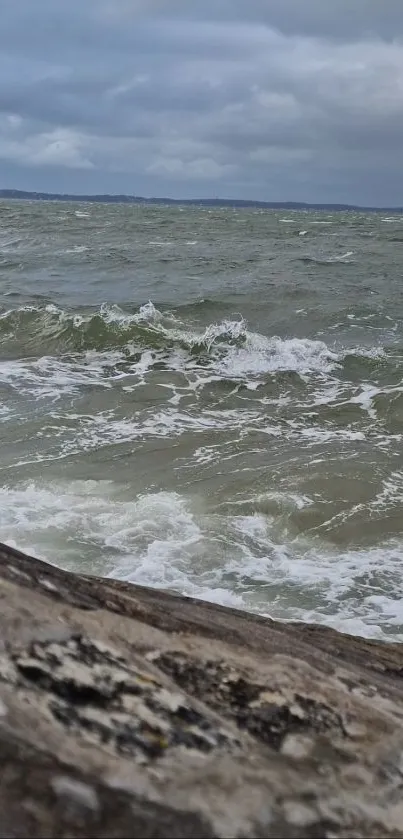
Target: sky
{"points": [[272, 100]]}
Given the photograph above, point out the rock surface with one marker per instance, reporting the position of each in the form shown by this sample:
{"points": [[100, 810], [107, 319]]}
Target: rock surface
{"points": [[129, 712]]}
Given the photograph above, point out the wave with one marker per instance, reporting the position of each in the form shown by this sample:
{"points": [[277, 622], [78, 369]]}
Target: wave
{"points": [[242, 556], [39, 339], [47, 351], [329, 260], [39, 329]]}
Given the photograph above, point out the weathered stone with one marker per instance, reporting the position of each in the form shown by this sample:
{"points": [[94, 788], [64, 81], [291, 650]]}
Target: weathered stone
{"points": [[125, 711]]}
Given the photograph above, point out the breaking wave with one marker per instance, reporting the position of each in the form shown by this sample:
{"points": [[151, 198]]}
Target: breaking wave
{"points": [[34, 332], [237, 557]]}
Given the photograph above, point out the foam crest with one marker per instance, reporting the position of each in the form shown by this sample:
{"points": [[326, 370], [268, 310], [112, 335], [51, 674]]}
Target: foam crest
{"points": [[261, 355], [227, 332]]}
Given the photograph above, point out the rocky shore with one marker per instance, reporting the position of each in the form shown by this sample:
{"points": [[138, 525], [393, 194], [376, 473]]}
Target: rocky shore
{"points": [[129, 712]]}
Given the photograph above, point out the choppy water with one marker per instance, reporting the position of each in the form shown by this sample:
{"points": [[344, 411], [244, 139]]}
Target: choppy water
{"points": [[209, 401]]}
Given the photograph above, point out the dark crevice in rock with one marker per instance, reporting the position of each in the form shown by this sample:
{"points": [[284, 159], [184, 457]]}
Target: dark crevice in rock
{"points": [[68, 689]]}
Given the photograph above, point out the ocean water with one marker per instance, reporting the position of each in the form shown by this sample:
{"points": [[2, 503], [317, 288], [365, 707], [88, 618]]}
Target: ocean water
{"points": [[208, 401]]}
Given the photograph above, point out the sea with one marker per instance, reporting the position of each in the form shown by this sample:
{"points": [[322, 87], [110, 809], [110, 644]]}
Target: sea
{"points": [[208, 401]]}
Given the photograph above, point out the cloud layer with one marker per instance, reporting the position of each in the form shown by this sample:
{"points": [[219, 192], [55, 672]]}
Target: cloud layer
{"points": [[286, 100]]}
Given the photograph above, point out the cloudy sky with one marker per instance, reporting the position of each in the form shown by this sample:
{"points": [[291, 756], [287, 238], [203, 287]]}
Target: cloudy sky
{"points": [[266, 99]]}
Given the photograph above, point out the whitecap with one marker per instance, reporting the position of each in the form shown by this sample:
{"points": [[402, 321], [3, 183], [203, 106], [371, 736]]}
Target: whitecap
{"points": [[76, 249], [342, 258], [260, 355], [329, 260]]}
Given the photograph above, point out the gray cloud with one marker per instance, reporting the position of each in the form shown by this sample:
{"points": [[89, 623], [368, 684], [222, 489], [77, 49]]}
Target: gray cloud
{"points": [[343, 19], [280, 100]]}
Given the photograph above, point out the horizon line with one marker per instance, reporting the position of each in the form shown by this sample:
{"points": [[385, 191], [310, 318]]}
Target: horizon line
{"points": [[105, 197]]}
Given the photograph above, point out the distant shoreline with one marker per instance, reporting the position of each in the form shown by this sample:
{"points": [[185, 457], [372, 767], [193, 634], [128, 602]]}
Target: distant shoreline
{"points": [[23, 195]]}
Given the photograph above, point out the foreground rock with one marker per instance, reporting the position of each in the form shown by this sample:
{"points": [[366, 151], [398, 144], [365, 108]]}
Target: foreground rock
{"points": [[129, 712]]}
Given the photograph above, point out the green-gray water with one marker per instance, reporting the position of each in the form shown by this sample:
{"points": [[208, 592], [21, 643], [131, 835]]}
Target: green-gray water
{"points": [[209, 401]]}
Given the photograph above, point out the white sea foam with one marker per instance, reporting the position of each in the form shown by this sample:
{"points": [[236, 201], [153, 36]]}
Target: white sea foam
{"points": [[76, 249], [5, 412], [325, 435], [343, 258], [162, 540], [390, 495], [153, 539], [49, 377], [103, 430], [109, 314], [261, 355], [59, 439], [359, 590]]}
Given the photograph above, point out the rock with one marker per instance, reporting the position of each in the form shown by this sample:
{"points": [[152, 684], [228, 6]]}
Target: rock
{"points": [[126, 711]]}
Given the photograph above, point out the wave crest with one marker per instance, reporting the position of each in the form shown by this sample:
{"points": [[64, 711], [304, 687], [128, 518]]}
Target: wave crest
{"points": [[234, 350], [125, 342]]}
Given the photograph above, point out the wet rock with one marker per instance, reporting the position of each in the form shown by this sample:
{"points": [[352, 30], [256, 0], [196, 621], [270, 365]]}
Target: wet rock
{"points": [[130, 712]]}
